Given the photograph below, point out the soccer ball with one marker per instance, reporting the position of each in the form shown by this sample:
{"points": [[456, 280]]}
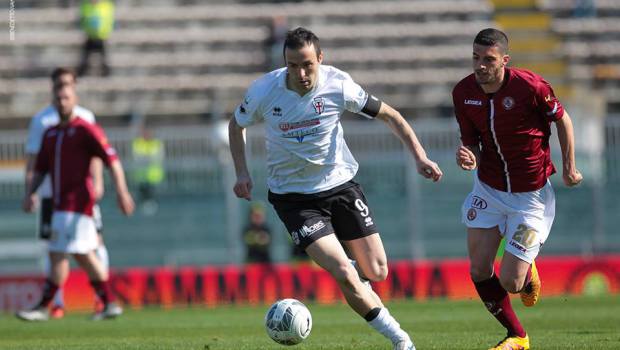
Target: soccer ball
{"points": [[288, 322]]}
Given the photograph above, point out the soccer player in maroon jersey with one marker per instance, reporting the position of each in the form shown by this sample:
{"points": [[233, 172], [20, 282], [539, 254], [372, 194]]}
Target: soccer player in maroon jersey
{"points": [[505, 117], [66, 153], [39, 123]]}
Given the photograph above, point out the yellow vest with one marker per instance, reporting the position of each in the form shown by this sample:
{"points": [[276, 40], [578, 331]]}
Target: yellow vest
{"points": [[97, 19], [148, 157]]}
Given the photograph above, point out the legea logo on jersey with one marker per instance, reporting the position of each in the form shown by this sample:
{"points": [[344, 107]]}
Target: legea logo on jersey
{"points": [[319, 105], [473, 102]]}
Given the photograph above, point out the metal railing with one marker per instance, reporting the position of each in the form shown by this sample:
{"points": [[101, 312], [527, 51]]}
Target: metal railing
{"points": [[417, 219]]}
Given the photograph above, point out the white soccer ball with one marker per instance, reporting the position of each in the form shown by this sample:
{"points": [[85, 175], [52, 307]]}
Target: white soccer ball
{"points": [[288, 322]]}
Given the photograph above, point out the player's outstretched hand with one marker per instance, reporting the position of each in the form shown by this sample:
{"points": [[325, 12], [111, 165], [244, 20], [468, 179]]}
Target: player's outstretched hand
{"points": [[572, 178], [429, 169], [29, 203], [125, 203], [465, 158], [243, 187]]}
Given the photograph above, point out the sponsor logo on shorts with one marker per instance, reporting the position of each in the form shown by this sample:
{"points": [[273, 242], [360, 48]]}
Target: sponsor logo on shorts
{"points": [[471, 214], [368, 221], [518, 246], [306, 231], [479, 203]]}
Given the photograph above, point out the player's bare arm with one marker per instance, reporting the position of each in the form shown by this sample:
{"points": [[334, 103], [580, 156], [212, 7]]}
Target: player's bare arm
{"points": [[570, 174], [405, 133], [30, 199], [236, 135], [96, 169], [467, 157], [31, 159], [124, 200]]}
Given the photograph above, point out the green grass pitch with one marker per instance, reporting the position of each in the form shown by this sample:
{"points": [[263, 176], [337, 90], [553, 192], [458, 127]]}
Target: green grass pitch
{"points": [[555, 323]]}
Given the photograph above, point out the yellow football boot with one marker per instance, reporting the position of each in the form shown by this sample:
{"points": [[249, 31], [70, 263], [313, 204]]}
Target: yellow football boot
{"points": [[531, 292], [513, 343]]}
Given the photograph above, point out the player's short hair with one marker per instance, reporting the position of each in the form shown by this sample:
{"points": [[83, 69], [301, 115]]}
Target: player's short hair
{"points": [[60, 71], [492, 37], [300, 37]]}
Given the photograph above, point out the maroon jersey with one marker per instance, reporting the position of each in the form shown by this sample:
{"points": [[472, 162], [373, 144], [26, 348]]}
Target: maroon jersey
{"points": [[512, 126], [66, 153]]}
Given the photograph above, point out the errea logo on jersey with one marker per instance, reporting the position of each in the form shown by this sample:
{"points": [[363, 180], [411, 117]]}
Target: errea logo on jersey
{"points": [[473, 102]]}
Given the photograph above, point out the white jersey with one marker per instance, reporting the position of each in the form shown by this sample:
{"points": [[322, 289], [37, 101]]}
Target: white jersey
{"points": [[43, 120], [306, 151]]}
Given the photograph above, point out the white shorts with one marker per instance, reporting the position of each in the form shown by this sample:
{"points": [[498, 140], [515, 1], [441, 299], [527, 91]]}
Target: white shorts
{"points": [[73, 233], [97, 218], [524, 218]]}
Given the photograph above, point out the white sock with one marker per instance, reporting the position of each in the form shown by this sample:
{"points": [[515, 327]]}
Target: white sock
{"points": [[385, 324], [102, 254]]}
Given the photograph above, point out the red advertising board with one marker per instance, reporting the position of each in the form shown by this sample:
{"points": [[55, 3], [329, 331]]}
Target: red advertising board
{"points": [[258, 284]]}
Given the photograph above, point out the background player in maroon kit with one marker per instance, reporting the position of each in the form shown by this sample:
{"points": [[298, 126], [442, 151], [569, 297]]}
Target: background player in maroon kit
{"points": [[504, 115], [66, 154]]}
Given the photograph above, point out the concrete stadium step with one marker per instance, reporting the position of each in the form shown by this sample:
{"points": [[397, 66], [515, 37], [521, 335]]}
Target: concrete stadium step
{"points": [[544, 68], [546, 43], [513, 4], [524, 21]]}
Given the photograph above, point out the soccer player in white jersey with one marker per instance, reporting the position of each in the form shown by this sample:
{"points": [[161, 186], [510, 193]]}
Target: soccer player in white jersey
{"points": [[311, 170], [43, 120]]}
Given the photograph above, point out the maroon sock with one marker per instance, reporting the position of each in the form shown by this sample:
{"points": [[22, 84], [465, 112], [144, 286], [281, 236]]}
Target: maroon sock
{"points": [[103, 291], [497, 301], [49, 290]]}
